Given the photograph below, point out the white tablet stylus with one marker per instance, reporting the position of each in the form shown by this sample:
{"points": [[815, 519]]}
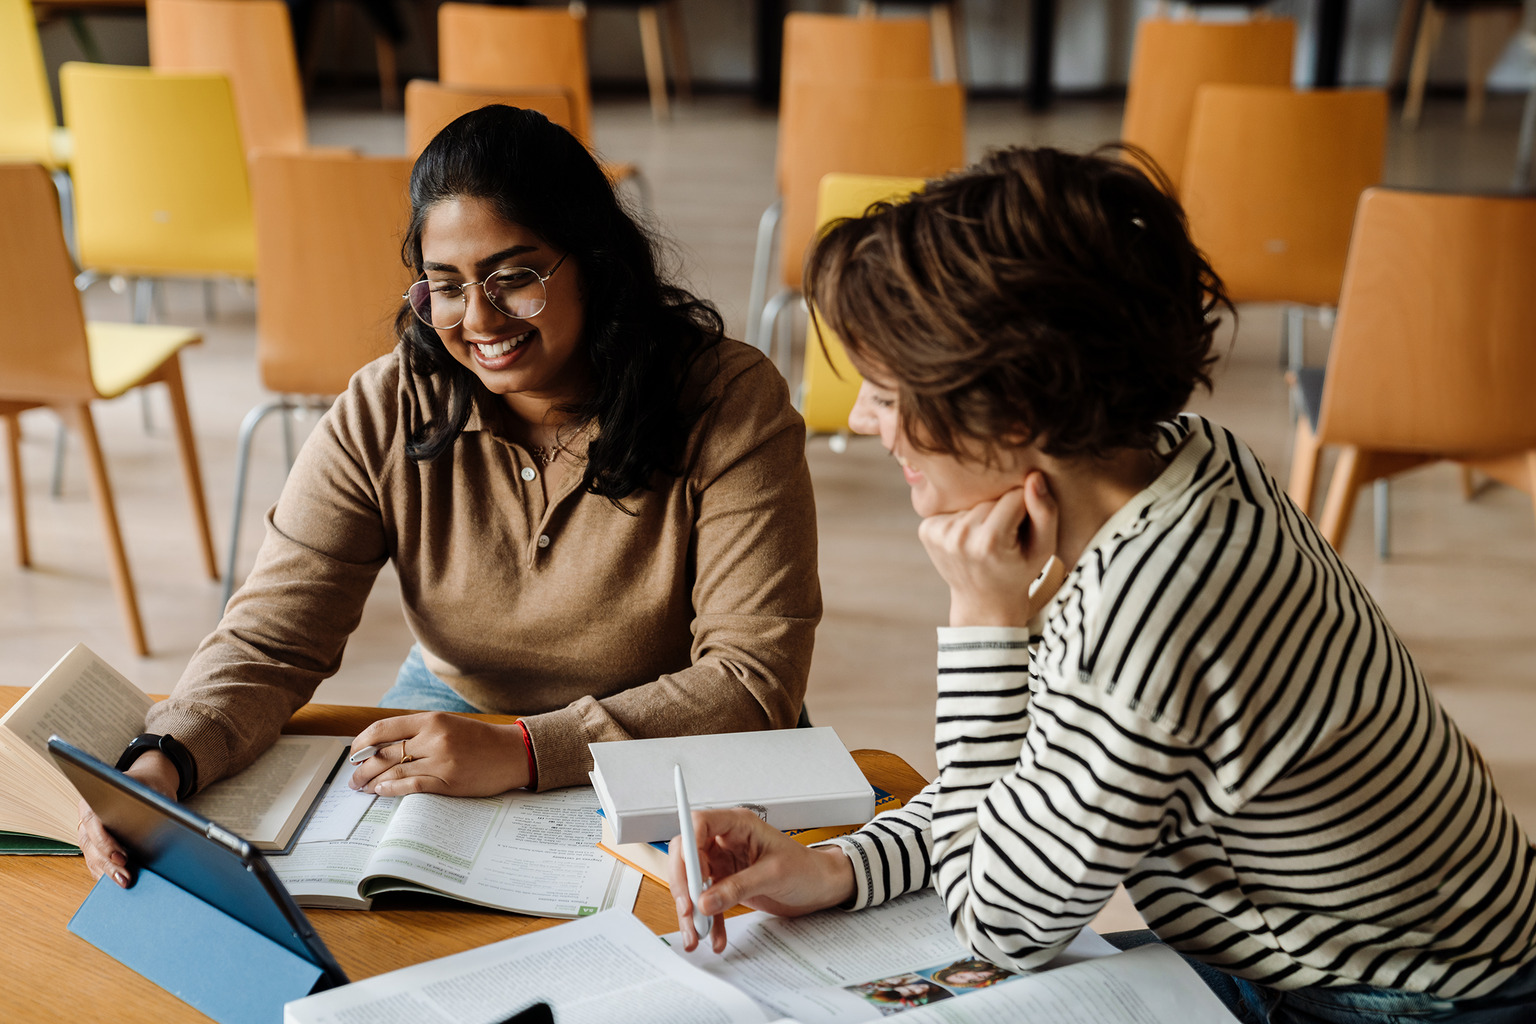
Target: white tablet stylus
{"points": [[701, 923]]}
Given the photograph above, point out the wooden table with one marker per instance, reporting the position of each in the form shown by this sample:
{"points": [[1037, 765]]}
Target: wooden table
{"points": [[51, 975]]}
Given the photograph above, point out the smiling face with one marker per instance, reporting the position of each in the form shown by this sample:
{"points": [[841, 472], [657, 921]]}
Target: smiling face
{"points": [[940, 482], [532, 363]]}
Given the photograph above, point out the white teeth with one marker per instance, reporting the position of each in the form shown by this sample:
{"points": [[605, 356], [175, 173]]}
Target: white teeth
{"points": [[501, 348]]}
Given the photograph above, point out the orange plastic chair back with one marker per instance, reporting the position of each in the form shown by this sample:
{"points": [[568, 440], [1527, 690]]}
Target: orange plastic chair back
{"points": [[907, 128], [517, 48], [328, 234], [1271, 180], [43, 355], [430, 107], [1432, 351], [1173, 58], [250, 41]]}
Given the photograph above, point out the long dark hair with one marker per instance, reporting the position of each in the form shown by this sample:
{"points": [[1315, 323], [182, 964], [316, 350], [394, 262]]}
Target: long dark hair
{"points": [[1036, 294], [641, 335]]}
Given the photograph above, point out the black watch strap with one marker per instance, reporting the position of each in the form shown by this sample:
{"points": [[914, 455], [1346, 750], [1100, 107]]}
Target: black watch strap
{"points": [[170, 746]]}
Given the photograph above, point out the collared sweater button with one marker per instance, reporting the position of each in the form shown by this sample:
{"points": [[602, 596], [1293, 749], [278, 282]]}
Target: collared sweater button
{"points": [[543, 540], [528, 473]]}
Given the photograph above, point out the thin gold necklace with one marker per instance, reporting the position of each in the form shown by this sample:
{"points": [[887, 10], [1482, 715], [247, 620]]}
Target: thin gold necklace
{"points": [[546, 454]]}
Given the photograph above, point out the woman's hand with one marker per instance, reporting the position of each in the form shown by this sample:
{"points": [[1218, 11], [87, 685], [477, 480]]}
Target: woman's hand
{"points": [[438, 752], [755, 864], [103, 855], [991, 555]]}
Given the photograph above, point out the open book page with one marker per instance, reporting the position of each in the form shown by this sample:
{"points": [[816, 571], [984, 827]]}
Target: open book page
{"points": [[600, 969], [1147, 985], [325, 872], [532, 853], [85, 701], [535, 853], [265, 802], [835, 966]]}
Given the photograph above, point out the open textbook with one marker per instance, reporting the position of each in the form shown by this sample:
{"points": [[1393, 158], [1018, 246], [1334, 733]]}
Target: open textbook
{"points": [[84, 700], [530, 853], [823, 968]]}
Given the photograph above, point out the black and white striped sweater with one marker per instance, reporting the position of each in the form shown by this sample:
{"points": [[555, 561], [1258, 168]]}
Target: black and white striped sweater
{"points": [[1212, 711]]}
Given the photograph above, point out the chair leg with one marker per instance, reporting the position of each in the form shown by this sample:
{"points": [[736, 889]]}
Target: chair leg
{"points": [[1305, 453], [1430, 23], [946, 58], [186, 445], [389, 75], [677, 43], [101, 490], [18, 492], [1530, 475], [1402, 39], [1339, 508], [242, 471], [655, 68], [1382, 494], [762, 266], [768, 325], [60, 447], [1487, 32], [1468, 483]]}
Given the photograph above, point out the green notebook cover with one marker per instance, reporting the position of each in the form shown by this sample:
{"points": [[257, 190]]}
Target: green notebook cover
{"points": [[20, 842]]}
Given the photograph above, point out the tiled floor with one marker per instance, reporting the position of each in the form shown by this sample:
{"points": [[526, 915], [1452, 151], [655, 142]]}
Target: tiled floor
{"points": [[1460, 586]]}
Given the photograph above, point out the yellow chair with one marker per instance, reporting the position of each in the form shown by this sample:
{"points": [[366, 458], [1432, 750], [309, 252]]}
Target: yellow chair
{"points": [[1173, 58], [52, 357], [29, 130], [160, 174], [1271, 180], [328, 232], [251, 41], [912, 128], [430, 107], [1432, 356], [830, 383]]}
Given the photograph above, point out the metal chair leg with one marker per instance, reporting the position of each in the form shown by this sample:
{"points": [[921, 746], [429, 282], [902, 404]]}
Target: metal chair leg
{"points": [[768, 324], [242, 467], [762, 265], [1381, 493]]}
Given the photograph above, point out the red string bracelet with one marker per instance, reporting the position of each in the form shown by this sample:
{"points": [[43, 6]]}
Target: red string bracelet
{"points": [[533, 770]]}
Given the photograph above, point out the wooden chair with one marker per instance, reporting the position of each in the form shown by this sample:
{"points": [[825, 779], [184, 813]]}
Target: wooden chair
{"points": [[944, 20], [828, 47], [1271, 180], [513, 48], [830, 384], [911, 128], [429, 107], [328, 233], [52, 357], [1490, 24], [250, 41], [518, 49], [1173, 58], [651, 18], [1432, 356]]}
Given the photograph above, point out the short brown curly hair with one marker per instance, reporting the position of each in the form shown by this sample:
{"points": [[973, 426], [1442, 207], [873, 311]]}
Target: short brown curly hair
{"points": [[1036, 295]]}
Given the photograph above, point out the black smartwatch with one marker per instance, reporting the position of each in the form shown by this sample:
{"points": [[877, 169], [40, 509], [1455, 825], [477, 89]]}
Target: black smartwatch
{"points": [[170, 746]]}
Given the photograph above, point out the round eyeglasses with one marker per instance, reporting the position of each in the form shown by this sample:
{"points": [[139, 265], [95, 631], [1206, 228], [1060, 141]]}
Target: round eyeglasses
{"points": [[516, 291]]}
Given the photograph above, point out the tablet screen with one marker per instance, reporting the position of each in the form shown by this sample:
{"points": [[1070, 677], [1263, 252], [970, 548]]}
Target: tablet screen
{"points": [[195, 854]]}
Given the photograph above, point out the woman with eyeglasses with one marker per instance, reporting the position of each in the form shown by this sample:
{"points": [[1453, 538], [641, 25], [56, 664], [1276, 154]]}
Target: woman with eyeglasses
{"points": [[598, 507], [1156, 673]]}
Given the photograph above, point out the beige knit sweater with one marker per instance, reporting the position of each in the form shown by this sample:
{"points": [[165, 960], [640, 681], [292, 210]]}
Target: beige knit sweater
{"points": [[696, 613]]}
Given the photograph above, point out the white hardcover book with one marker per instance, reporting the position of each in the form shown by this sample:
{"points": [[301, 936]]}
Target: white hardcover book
{"points": [[792, 778]]}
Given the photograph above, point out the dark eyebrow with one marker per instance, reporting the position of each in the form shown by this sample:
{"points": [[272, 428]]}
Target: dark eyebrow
{"points": [[489, 261]]}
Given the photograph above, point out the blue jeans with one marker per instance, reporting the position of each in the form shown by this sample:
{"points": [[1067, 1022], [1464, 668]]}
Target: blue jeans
{"points": [[418, 689], [1513, 1003]]}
